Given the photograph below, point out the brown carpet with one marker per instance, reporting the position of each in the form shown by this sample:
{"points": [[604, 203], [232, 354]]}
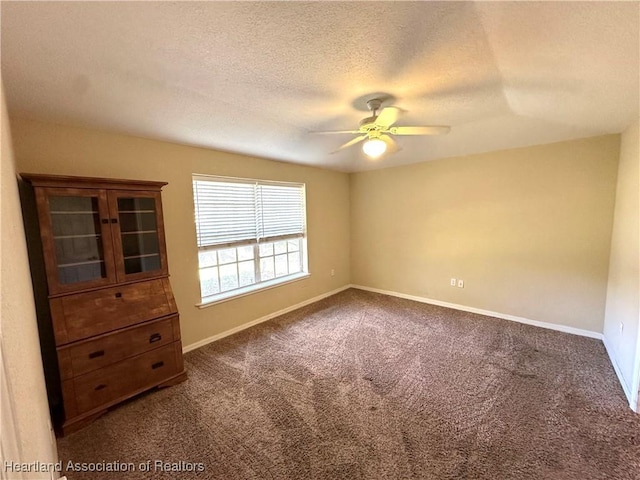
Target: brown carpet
{"points": [[365, 386]]}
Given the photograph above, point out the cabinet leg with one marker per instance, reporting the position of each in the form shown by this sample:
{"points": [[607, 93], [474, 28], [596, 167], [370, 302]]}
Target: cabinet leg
{"points": [[75, 425], [179, 378]]}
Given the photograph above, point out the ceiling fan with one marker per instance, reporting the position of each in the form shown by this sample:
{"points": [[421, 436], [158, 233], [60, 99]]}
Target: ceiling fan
{"points": [[375, 130]]}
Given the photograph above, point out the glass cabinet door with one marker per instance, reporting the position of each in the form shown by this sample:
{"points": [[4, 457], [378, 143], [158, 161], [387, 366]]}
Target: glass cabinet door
{"points": [[78, 240], [138, 234]]}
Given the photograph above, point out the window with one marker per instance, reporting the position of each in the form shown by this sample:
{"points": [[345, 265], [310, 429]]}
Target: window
{"points": [[251, 234]]}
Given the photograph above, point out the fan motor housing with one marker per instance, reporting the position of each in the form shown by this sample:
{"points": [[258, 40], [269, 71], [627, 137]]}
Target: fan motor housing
{"points": [[367, 124]]}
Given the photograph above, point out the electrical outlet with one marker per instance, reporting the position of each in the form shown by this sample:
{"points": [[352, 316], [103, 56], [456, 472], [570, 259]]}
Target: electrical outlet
{"points": [[460, 283], [621, 327], [333, 272], [453, 282]]}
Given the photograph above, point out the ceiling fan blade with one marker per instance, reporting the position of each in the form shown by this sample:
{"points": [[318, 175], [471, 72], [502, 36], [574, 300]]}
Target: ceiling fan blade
{"points": [[330, 132], [392, 146], [432, 130], [351, 142], [388, 116]]}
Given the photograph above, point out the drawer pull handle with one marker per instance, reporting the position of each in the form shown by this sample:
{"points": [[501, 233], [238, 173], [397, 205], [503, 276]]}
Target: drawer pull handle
{"points": [[119, 295], [114, 220], [157, 365], [156, 337], [101, 386], [99, 353], [105, 220]]}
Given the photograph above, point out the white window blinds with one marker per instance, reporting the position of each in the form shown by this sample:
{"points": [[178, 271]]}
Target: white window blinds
{"points": [[237, 211]]}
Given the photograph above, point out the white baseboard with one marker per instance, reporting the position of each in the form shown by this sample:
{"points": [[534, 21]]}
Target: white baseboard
{"points": [[244, 326], [464, 308], [635, 389], [614, 362]]}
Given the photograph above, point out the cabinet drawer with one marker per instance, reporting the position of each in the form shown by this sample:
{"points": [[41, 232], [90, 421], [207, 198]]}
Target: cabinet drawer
{"points": [[100, 311], [120, 380], [87, 356]]}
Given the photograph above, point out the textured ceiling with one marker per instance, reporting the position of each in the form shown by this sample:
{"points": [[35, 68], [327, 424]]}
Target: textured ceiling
{"points": [[256, 77]]}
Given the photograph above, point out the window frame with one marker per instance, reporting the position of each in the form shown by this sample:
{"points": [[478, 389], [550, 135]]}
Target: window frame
{"points": [[241, 291]]}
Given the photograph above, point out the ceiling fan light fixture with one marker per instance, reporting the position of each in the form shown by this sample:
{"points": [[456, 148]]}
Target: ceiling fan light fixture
{"points": [[374, 147], [376, 132]]}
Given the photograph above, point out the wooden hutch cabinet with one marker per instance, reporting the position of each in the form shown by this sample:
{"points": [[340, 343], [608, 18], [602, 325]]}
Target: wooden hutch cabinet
{"points": [[114, 319]]}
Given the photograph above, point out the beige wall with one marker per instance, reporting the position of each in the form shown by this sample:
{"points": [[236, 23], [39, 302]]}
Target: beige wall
{"points": [[528, 230], [624, 272], [26, 429], [48, 148]]}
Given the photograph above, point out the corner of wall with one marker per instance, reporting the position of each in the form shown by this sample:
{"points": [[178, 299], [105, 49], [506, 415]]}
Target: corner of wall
{"points": [[24, 396], [621, 329]]}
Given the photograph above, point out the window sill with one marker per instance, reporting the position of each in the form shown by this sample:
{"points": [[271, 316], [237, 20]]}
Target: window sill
{"points": [[244, 291]]}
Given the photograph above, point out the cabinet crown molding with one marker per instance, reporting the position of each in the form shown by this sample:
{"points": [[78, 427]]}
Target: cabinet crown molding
{"points": [[43, 180]]}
